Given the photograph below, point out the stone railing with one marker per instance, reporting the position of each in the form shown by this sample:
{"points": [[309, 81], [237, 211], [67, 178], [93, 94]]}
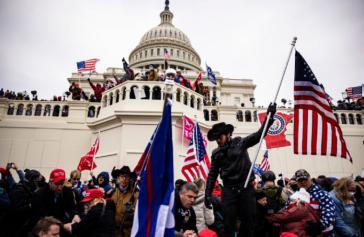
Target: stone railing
{"points": [[150, 90]]}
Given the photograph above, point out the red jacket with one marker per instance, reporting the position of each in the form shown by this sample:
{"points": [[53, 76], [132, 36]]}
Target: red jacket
{"points": [[295, 219], [97, 91]]}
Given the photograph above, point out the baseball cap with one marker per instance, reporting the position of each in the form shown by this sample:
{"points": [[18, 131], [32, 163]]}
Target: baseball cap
{"points": [[92, 194], [301, 174], [57, 175]]}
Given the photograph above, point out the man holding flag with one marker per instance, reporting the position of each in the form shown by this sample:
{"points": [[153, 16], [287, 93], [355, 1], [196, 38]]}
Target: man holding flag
{"points": [[232, 162]]}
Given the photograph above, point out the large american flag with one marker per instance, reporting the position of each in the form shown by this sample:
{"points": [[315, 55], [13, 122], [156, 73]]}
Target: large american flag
{"points": [[264, 165], [354, 92], [197, 163], [87, 65], [316, 130]]}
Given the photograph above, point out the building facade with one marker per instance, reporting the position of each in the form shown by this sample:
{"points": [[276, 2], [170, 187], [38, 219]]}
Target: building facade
{"points": [[44, 135]]}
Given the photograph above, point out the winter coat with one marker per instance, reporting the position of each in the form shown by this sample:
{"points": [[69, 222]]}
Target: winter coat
{"points": [[121, 199], [97, 90], [185, 219], [232, 161], [295, 219], [204, 216], [346, 223], [98, 222]]}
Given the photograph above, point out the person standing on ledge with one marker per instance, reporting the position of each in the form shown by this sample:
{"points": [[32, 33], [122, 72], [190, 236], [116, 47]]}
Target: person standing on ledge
{"points": [[231, 160]]}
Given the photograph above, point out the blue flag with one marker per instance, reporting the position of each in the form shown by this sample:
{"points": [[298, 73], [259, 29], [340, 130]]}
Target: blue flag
{"points": [[154, 209], [210, 75]]}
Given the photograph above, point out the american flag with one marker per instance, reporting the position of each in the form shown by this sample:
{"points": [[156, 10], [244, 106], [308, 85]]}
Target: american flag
{"points": [[87, 65], [316, 131], [196, 164], [167, 55], [264, 165], [87, 162], [354, 92]]}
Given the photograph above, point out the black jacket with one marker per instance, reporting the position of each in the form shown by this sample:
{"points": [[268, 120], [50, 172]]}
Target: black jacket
{"points": [[99, 222], [232, 161], [185, 219]]}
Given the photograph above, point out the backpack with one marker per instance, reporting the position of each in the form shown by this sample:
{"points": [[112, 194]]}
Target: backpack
{"points": [[274, 202]]}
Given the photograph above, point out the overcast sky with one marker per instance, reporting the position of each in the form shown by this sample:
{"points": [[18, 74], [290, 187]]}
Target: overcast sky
{"points": [[41, 40]]}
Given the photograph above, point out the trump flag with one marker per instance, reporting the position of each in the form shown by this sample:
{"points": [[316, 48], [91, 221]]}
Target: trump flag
{"points": [[276, 134], [154, 208]]}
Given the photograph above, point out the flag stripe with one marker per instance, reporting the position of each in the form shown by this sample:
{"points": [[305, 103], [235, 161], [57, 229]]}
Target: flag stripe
{"points": [[316, 130]]}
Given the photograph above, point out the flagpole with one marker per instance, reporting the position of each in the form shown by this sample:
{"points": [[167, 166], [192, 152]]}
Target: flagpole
{"points": [[183, 132], [269, 113]]}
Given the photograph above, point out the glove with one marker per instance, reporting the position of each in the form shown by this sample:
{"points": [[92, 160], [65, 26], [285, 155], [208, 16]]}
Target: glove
{"points": [[208, 202], [272, 108]]}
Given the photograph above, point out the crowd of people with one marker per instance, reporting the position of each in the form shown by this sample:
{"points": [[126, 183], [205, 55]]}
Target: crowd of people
{"points": [[299, 206]]}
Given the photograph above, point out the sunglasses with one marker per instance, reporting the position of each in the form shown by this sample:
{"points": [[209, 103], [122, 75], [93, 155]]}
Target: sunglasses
{"points": [[301, 180]]}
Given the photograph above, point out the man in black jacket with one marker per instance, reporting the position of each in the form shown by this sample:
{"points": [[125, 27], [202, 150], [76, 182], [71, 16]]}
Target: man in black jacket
{"points": [[184, 215], [232, 162]]}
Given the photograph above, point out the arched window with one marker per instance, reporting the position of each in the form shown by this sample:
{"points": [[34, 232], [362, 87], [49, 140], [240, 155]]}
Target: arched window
{"points": [[20, 109], [178, 95], [239, 116], [111, 98], [255, 116], [104, 101], [206, 115], [65, 110], [198, 104], [47, 110], [123, 96], [29, 110], [117, 96], [337, 117], [133, 92], [351, 119], [156, 94], [192, 101], [146, 95], [91, 112], [248, 116], [38, 110], [214, 116], [359, 119], [343, 119], [56, 110], [11, 109], [185, 98]]}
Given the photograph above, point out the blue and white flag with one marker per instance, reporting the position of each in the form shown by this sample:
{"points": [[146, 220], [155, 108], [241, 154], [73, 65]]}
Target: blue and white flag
{"points": [[154, 208], [210, 75]]}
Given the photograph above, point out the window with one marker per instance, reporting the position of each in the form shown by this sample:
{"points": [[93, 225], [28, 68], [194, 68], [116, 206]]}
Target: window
{"points": [[146, 91], [20, 109], [11, 109], [145, 53], [140, 55], [38, 110], [65, 111], [239, 116], [185, 98], [214, 116], [91, 112], [133, 92], [192, 101], [351, 119], [151, 52], [177, 53], [29, 110], [336, 116], [359, 119], [47, 110], [343, 119], [111, 98], [248, 116], [117, 96], [158, 51], [206, 115], [56, 111], [156, 94], [198, 104], [124, 93], [171, 52], [178, 95]]}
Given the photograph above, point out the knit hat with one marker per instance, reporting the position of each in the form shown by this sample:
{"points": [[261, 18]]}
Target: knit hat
{"points": [[301, 195], [260, 194], [288, 234]]}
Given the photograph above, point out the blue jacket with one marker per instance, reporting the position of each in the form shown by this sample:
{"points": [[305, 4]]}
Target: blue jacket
{"points": [[106, 184], [346, 224]]}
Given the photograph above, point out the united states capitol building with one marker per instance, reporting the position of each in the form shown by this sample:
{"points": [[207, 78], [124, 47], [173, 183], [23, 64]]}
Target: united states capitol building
{"points": [[47, 134]]}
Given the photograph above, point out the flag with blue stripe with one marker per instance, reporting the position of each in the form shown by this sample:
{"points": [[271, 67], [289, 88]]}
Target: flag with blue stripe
{"points": [[210, 75], [154, 208]]}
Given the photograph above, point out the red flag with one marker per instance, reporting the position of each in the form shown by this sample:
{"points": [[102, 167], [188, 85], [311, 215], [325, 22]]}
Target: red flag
{"points": [[316, 130], [87, 162], [197, 163], [275, 136], [195, 84]]}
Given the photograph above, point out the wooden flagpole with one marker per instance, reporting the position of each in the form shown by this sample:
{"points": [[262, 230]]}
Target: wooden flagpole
{"points": [[269, 114]]}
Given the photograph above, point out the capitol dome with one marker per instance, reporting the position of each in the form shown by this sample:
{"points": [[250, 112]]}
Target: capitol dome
{"points": [[165, 38]]}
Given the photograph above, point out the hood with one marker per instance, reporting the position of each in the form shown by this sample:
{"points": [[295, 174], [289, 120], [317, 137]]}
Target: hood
{"points": [[106, 177], [200, 197]]}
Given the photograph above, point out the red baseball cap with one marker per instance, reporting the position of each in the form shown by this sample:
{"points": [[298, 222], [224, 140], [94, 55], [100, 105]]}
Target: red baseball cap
{"points": [[57, 175], [92, 194]]}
